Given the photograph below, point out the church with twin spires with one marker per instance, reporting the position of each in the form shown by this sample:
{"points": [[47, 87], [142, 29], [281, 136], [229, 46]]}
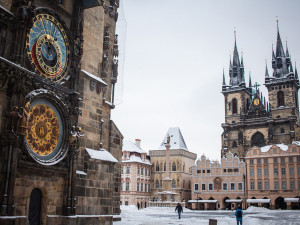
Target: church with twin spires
{"points": [[253, 120]]}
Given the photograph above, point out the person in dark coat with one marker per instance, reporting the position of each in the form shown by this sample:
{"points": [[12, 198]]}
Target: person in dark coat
{"points": [[138, 206], [239, 216], [179, 209]]}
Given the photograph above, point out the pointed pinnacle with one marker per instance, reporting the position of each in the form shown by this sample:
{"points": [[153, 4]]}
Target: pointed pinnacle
{"points": [[224, 82], [267, 72]]}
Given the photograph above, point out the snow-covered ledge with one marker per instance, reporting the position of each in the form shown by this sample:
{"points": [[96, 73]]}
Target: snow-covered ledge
{"points": [[94, 77], [101, 154]]}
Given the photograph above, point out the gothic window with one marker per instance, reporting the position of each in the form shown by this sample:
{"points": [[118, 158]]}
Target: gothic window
{"points": [[248, 103], [229, 106], [296, 100], [234, 106], [173, 166], [240, 138], [282, 130], [280, 98], [257, 139], [234, 144], [173, 184], [157, 167], [165, 165]]}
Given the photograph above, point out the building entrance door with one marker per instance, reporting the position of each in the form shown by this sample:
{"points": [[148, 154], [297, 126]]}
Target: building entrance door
{"points": [[35, 203]]}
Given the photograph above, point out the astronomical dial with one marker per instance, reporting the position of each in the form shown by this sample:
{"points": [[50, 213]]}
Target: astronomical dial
{"points": [[48, 47]]}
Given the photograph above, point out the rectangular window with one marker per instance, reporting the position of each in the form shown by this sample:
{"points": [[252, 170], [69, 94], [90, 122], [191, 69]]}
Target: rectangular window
{"points": [[298, 184], [298, 158], [259, 185], [122, 170], [282, 160], [275, 171], [283, 171], [232, 186], [298, 170], [265, 161], [145, 187], [127, 186], [283, 185], [149, 188], [121, 186], [258, 172], [258, 161], [196, 187], [251, 172], [240, 186], [126, 202], [142, 171], [267, 187], [138, 170], [145, 172], [149, 172], [266, 171], [225, 188], [291, 159], [252, 185], [291, 170], [276, 185], [128, 170], [141, 187], [210, 187], [292, 185], [275, 160], [137, 186], [251, 161], [203, 187]]}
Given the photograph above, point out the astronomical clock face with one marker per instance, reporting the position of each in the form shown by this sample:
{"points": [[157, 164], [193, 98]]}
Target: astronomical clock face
{"points": [[44, 130], [256, 101], [48, 47]]}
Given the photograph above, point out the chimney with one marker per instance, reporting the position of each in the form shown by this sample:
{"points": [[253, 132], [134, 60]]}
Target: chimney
{"points": [[138, 142]]}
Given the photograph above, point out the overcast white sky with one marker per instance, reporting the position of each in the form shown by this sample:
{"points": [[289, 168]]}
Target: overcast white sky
{"points": [[175, 52]]}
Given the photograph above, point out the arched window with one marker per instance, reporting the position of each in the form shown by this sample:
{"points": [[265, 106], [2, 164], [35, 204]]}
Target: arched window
{"points": [[160, 183], [234, 106], [173, 166], [173, 184], [165, 166], [296, 100], [248, 103], [280, 98], [157, 167], [234, 144], [156, 184], [183, 167], [240, 138], [257, 139], [282, 130]]}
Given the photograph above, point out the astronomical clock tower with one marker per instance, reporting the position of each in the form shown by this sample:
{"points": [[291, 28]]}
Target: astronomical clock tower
{"points": [[49, 170]]}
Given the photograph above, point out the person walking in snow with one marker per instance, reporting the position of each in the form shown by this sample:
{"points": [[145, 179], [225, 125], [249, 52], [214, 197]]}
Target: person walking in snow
{"points": [[239, 216], [179, 209], [138, 206]]}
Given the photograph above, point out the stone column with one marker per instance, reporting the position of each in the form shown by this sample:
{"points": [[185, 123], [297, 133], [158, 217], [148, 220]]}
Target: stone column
{"points": [[167, 145]]}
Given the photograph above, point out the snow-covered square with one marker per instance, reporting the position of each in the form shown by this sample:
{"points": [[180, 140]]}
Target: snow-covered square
{"points": [[162, 216]]}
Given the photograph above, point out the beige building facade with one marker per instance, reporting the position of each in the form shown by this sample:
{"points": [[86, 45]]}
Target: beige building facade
{"points": [[181, 161], [135, 175], [218, 185], [273, 176]]}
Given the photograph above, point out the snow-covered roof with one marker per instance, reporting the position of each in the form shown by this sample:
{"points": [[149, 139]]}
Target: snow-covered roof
{"points": [[292, 200], [134, 158], [101, 154], [176, 140], [80, 172], [131, 147], [267, 148], [258, 200], [94, 77], [233, 200], [203, 201]]}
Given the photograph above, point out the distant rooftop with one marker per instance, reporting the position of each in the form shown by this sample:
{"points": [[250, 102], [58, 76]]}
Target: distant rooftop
{"points": [[176, 140], [131, 147]]}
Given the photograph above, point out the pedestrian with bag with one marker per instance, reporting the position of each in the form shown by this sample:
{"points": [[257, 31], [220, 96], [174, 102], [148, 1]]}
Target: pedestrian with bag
{"points": [[179, 209], [239, 216]]}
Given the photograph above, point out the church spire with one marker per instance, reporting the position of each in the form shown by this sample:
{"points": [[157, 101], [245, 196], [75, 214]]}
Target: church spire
{"points": [[236, 59], [224, 82], [279, 47], [267, 72]]}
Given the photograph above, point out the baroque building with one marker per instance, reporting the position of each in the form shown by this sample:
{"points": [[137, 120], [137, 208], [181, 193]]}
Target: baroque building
{"points": [[135, 175], [60, 152], [251, 119], [273, 176], [218, 185], [180, 163]]}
